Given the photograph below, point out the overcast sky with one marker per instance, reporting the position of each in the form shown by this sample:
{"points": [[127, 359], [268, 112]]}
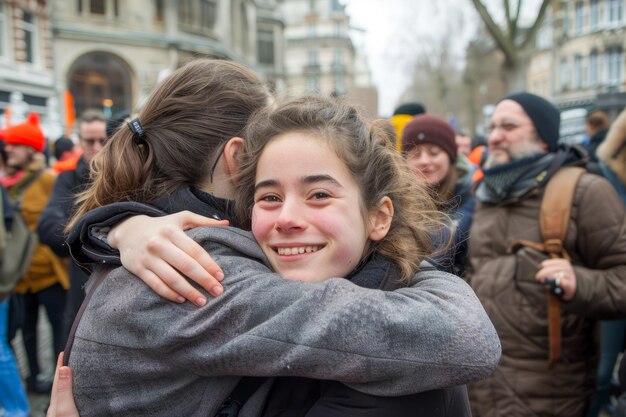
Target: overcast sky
{"points": [[397, 29]]}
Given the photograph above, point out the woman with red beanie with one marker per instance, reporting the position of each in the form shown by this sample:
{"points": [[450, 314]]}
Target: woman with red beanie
{"points": [[29, 185], [429, 147]]}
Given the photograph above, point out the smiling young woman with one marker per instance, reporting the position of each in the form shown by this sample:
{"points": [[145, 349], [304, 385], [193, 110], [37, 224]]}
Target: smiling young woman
{"points": [[429, 147]]}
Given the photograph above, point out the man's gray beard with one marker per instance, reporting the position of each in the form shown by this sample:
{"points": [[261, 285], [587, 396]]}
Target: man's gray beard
{"points": [[519, 151]]}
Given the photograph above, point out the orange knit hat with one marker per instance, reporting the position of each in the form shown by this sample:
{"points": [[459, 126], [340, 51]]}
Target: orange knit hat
{"points": [[27, 133]]}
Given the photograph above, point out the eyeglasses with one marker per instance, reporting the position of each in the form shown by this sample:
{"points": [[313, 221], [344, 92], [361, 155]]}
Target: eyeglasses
{"points": [[505, 127], [92, 142]]}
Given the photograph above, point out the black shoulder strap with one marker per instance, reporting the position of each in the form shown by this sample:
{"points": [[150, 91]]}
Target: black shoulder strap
{"points": [[70, 339]]}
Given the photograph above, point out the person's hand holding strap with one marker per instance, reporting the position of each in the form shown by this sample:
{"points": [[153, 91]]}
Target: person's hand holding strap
{"points": [[158, 251], [559, 273]]}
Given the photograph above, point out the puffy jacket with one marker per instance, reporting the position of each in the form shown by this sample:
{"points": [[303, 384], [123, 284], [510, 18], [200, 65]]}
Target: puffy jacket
{"points": [[522, 384]]}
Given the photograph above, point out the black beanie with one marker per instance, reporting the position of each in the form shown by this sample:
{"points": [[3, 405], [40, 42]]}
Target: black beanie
{"points": [[545, 116], [412, 109]]}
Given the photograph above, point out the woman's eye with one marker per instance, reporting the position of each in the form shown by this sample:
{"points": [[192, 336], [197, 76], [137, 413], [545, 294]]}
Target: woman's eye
{"points": [[320, 195], [270, 198]]}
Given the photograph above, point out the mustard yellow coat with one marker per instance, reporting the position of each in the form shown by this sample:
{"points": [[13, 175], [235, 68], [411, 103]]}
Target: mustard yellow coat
{"points": [[46, 268]]}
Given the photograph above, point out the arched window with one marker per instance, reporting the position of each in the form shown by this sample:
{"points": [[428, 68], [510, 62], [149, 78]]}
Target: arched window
{"points": [[96, 77]]}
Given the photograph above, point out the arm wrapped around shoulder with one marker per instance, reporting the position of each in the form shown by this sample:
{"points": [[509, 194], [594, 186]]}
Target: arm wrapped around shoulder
{"points": [[430, 335]]}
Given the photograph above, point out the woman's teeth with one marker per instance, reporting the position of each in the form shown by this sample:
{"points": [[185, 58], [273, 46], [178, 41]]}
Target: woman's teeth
{"points": [[297, 250]]}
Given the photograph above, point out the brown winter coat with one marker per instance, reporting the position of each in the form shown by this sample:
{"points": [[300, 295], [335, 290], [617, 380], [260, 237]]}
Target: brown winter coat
{"points": [[522, 385]]}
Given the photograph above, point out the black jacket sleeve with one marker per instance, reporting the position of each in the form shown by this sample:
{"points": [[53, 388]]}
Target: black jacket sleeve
{"points": [[85, 244]]}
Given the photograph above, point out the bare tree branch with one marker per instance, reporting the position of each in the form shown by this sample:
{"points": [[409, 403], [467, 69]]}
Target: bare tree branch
{"points": [[506, 40], [516, 20], [501, 39], [507, 16], [530, 35]]}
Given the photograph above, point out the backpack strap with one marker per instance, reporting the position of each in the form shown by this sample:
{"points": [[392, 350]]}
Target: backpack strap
{"points": [[554, 216], [556, 208]]}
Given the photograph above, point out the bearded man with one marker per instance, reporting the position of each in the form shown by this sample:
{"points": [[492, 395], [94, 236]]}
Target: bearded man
{"points": [[524, 155]]}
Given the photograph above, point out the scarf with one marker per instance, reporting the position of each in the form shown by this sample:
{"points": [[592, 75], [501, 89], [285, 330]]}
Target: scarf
{"points": [[510, 182], [500, 179]]}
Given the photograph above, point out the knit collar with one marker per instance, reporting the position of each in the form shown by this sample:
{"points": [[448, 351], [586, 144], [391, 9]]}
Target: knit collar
{"points": [[197, 201], [376, 271]]}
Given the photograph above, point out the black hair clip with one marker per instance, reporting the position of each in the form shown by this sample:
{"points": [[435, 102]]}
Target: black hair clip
{"points": [[137, 129]]}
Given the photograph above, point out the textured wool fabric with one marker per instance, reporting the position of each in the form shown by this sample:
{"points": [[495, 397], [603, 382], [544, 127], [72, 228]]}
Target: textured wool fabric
{"points": [[176, 356], [26, 133], [545, 116], [428, 129]]}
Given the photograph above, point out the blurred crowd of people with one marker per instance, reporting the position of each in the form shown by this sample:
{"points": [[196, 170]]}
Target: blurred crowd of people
{"points": [[43, 195], [558, 304]]}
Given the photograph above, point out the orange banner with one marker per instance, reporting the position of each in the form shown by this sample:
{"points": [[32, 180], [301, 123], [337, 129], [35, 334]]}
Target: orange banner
{"points": [[70, 115]]}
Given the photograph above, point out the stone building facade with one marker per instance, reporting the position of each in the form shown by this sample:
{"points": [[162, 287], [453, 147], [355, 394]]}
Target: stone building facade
{"points": [[27, 79], [579, 58], [320, 53], [109, 54]]}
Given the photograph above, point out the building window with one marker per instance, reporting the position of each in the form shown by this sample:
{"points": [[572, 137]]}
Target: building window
{"points": [[3, 30], [158, 11], [97, 7], [96, 77], [544, 35], [613, 60], [208, 10], [337, 29], [578, 71], [185, 14], [338, 60], [615, 10], [340, 86], [578, 18], [29, 28], [312, 83], [564, 74], [265, 46], [312, 30], [199, 15], [312, 5], [594, 14], [594, 68], [565, 19], [312, 57]]}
